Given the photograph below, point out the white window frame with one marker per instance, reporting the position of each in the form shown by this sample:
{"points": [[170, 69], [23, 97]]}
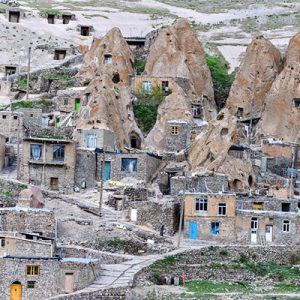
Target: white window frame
{"points": [[201, 202], [286, 226], [254, 221], [223, 207]]}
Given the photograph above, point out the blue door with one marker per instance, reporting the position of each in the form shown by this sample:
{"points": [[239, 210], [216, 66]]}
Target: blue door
{"points": [[107, 167], [193, 230]]}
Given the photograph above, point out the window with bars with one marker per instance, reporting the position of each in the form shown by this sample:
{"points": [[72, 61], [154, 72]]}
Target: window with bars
{"points": [[174, 130], [201, 205], [32, 270], [222, 209]]}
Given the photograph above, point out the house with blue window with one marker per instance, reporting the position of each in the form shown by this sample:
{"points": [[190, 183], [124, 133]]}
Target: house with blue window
{"points": [[49, 162], [210, 216]]}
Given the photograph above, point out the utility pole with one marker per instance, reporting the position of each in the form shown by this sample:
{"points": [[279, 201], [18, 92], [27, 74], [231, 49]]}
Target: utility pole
{"points": [[28, 73], [18, 149], [101, 183], [181, 213]]}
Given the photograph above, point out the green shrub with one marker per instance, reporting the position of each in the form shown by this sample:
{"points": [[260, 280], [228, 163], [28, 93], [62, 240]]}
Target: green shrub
{"points": [[243, 258], [51, 11], [58, 76], [139, 65], [223, 253], [145, 116], [294, 258]]}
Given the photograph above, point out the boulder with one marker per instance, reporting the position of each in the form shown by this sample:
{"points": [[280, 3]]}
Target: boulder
{"points": [[211, 153], [260, 67], [109, 65], [282, 110]]}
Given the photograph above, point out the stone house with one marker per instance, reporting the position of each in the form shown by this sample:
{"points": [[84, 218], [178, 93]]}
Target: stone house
{"points": [[41, 278], [96, 138], [49, 162], [258, 220], [9, 124], [210, 216], [146, 84], [141, 165], [69, 100]]}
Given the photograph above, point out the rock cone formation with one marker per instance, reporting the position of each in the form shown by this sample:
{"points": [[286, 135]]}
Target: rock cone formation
{"points": [[211, 152], [177, 52], [282, 111], [109, 65], [259, 69]]}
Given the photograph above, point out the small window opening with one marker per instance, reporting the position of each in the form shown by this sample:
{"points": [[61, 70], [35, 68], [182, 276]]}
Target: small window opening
{"points": [[240, 112], [14, 16], [3, 116], [60, 54], [107, 59], [31, 284], [175, 130], [116, 78], [32, 270], [165, 87], [85, 30], [51, 19], [286, 207], [66, 19], [196, 110], [254, 223], [296, 102], [201, 205], [66, 101], [15, 117], [147, 87], [222, 209], [286, 224], [10, 71]]}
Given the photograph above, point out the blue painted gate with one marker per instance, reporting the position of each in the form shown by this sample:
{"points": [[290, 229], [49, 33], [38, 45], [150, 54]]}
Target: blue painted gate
{"points": [[193, 230], [107, 167]]}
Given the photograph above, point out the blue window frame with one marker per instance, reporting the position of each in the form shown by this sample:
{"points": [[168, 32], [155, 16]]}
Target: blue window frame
{"points": [[129, 165], [58, 152]]}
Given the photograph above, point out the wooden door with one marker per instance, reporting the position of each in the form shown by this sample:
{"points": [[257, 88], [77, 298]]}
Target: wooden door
{"points": [[54, 184], [69, 283], [16, 291], [269, 233]]}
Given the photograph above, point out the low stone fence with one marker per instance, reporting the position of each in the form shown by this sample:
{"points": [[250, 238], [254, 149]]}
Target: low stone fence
{"points": [[9, 192]]}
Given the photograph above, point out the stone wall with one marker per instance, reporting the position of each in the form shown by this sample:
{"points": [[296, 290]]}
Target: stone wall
{"points": [[147, 164], [180, 141], [9, 192], [85, 169], [158, 213], [9, 123], [14, 270], [214, 183], [30, 248], [31, 116], [28, 220]]}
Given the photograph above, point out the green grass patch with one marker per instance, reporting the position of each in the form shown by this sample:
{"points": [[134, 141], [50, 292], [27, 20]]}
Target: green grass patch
{"points": [[286, 288], [51, 11], [202, 287], [6, 194], [222, 81], [58, 76], [42, 103]]}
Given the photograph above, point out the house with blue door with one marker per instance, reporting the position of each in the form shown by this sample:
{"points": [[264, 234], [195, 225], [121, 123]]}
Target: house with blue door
{"points": [[209, 216]]}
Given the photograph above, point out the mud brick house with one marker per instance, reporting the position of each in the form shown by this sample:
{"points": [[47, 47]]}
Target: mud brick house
{"points": [[140, 165], [50, 162], [210, 216], [9, 124]]}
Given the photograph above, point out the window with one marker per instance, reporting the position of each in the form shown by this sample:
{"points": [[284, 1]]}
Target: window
{"points": [[31, 284], [285, 207], [286, 225], [174, 130], [165, 87], [296, 102], [257, 205], [254, 223], [85, 30], [129, 165], [45, 121], [215, 228], [60, 54], [58, 152], [91, 141], [35, 151], [32, 270], [201, 205], [147, 87], [2, 242], [240, 112], [196, 110], [66, 101], [10, 71], [107, 59], [222, 209], [15, 117], [31, 115], [3, 116]]}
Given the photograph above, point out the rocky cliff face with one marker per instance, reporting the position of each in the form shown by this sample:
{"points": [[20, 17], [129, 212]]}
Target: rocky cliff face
{"points": [[260, 67], [282, 114], [213, 152], [177, 52], [107, 100]]}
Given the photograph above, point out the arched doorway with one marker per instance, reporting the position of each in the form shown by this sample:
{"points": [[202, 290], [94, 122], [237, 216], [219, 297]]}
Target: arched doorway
{"points": [[16, 291], [135, 141]]}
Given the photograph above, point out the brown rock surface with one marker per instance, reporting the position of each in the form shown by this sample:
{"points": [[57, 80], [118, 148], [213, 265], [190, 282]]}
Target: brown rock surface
{"points": [[177, 52], [209, 152], [259, 69], [109, 104], [280, 117], [31, 197]]}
